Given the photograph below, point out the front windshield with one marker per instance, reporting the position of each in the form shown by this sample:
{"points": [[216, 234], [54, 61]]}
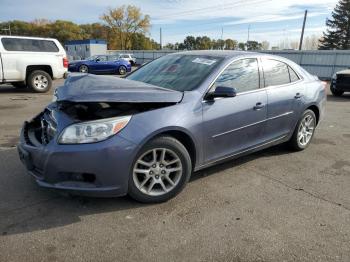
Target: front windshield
{"points": [[177, 72]]}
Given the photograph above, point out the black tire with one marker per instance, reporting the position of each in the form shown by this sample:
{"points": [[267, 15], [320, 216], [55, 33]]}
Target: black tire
{"points": [[181, 152], [85, 70], [336, 92], [122, 70], [294, 142], [19, 85], [46, 78]]}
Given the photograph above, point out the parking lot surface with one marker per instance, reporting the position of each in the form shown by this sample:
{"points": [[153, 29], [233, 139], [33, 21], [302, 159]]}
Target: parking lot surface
{"points": [[274, 205]]}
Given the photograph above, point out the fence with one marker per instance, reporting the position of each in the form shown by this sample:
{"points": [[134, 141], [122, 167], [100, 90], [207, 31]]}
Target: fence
{"points": [[321, 63]]}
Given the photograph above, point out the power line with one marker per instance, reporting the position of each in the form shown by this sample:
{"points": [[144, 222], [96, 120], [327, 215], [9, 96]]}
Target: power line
{"points": [[214, 8]]}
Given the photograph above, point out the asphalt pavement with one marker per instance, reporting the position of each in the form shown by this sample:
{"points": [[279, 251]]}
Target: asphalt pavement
{"points": [[274, 205]]}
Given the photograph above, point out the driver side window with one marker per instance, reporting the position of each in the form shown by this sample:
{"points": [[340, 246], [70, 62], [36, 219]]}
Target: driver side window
{"points": [[243, 75]]}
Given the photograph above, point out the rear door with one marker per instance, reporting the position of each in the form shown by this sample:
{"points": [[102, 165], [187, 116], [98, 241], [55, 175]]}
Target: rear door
{"points": [[285, 94], [233, 124]]}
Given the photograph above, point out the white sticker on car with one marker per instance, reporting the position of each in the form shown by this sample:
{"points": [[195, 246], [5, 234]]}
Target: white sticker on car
{"points": [[204, 61]]}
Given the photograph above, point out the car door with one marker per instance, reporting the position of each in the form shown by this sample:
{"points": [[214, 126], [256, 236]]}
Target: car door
{"points": [[231, 125], [100, 64], [285, 93]]}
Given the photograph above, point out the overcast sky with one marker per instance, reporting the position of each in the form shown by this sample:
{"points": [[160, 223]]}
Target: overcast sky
{"points": [[271, 20]]}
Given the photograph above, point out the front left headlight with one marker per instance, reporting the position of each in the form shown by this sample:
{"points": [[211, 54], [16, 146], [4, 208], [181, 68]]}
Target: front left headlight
{"points": [[93, 131]]}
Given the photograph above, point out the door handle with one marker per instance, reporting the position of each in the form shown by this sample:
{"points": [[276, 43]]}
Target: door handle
{"points": [[298, 95], [258, 106]]}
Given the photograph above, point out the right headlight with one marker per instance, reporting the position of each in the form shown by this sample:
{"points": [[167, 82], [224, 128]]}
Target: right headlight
{"points": [[93, 131]]}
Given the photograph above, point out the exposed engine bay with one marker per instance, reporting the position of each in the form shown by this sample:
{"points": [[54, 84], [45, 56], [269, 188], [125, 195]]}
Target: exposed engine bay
{"points": [[98, 110]]}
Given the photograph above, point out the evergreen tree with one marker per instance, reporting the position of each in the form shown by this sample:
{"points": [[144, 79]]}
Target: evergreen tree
{"points": [[337, 35]]}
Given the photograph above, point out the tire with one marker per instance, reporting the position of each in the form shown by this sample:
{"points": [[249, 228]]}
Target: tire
{"points": [[83, 69], [122, 70], [39, 81], [19, 85], [302, 137], [177, 167], [336, 92]]}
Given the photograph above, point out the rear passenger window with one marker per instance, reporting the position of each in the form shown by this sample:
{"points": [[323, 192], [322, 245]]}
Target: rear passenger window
{"points": [[243, 75], [29, 45], [293, 76], [276, 73]]}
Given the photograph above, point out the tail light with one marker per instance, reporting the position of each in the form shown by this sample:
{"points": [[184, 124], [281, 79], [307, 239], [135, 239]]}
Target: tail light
{"points": [[324, 84], [65, 62]]}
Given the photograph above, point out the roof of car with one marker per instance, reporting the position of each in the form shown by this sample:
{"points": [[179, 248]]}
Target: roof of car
{"points": [[220, 53]]}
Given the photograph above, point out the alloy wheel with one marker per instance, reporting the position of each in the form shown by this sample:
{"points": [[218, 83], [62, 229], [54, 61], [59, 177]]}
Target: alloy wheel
{"points": [[83, 69], [157, 172], [40, 82], [306, 130]]}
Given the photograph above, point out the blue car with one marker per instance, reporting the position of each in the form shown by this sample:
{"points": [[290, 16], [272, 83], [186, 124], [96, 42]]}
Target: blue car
{"points": [[146, 134], [101, 64]]}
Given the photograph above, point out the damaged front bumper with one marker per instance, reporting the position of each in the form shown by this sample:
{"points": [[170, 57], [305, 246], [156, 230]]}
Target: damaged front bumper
{"points": [[96, 169]]}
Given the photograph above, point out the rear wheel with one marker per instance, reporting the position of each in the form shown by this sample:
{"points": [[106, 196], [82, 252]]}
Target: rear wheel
{"points": [[336, 92], [160, 171], [304, 131], [39, 81], [122, 70], [83, 69]]}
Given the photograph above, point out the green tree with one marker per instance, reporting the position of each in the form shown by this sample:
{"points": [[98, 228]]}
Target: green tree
{"points": [[253, 45], [241, 46], [190, 43], [337, 35], [231, 44]]}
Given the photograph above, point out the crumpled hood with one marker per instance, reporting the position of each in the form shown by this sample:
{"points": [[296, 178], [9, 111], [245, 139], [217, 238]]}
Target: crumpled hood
{"points": [[93, 88]]}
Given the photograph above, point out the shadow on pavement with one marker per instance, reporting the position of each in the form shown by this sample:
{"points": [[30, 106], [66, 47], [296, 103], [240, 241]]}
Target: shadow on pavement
{"points": [[24, 207]]}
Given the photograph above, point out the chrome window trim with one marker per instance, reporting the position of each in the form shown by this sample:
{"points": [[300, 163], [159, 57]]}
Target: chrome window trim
{"points": [[261, 72]]}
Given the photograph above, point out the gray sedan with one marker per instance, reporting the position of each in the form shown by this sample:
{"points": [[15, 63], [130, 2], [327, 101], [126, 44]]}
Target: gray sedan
{"points": [[146, 134]]}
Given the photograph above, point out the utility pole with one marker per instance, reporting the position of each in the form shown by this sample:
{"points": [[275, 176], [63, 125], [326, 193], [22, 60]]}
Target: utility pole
{"points": [[222, 38], [302, 32], [248, 34], [160, 38]]}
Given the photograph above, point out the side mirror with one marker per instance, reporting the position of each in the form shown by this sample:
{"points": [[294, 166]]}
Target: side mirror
{"points": [[222, 91], [97, 59]]}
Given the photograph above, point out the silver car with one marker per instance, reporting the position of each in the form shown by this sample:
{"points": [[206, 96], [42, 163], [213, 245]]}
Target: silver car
{"points": [[128, 57]]}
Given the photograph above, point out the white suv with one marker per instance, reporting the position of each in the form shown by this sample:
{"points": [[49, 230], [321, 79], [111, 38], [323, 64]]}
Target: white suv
{"points": [[128, 57], [31, 62]]}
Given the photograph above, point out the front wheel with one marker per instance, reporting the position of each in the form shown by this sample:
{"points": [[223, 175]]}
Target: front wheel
{"points": [[304, 131], [160, 171]]}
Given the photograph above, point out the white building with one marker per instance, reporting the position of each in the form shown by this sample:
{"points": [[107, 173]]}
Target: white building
{"points": [[81, 49]]}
